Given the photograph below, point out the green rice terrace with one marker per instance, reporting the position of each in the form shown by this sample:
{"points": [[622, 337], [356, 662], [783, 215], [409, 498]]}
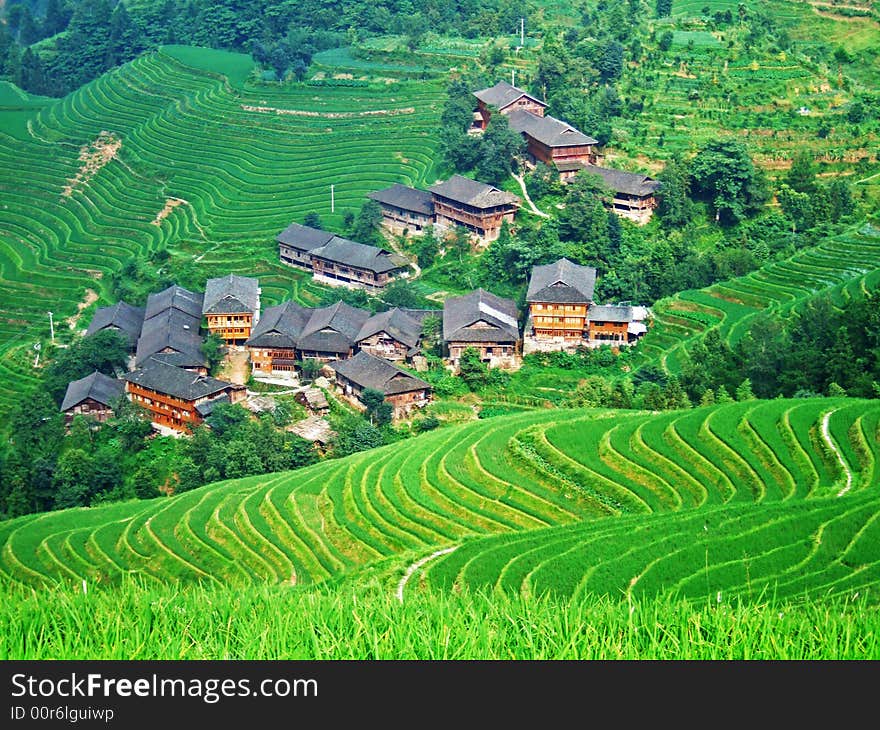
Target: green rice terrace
{"points": [[750, 499], [178, 151], [844, 267]]}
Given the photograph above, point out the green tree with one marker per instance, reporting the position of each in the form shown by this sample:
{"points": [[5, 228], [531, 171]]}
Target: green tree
{"points": [[744, 391], [674, 207], [472, 370], [366, 226], [379, 411], [73, 479], [664, 8], [723, 174], [310, 368], [313, 220], [801, 175], [105, 351], [499, 148], [213, 350]]}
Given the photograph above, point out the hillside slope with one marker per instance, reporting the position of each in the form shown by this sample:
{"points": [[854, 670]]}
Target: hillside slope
{"points": [[624, 475], [160, 155]]}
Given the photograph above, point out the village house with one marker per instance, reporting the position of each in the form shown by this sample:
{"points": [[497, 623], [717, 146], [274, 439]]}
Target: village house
{"points": [[341, 262], [548, 139], [336, 261], [609, 324], [405, 210], [634, 193], [405, 392], [272, 344], [232, 306], [172, 329], [288, 333], [176, 398], [478, 207], [552, 141], [122, 318], [506, 98], [559, 296], [485, 322], [93, 396], [393, 335], [296, 242]]}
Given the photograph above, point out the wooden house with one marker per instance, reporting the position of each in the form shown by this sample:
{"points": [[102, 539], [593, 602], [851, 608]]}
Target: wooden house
{"points": [[348, 263], [272, 344], [405, 392], [634, 194], [485, 322], [405, 210], [609, 324], [296, 242], [552, 141], [506, 98], [393, 335], [478, 207], [559, 296], [122, 318], [93, 396], [288, 333], [232, 306], [176, 398]]}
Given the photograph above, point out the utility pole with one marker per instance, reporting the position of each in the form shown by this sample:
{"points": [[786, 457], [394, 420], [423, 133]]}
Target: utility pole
{"points": [[332, 201], [522, 31], [51, 328]]}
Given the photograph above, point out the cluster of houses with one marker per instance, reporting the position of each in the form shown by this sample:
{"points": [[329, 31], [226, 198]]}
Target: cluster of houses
{"points": [[358, 349]]}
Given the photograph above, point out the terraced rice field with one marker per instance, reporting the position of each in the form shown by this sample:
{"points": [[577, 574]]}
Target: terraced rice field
{"points": [[843, 267], [785, 490], [159, 155]]}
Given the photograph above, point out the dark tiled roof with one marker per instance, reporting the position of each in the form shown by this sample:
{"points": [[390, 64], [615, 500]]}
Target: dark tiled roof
{"points": [[395, 323], [359, 255], [97, 386], [205, 409], [548, 130], [420, 314], [369, 371], [332, 329], [279, 326], [121, 316], [231, 294], [480, 316], [503, 94], [470, 192], [176, 382], [303, 238], [562, 281], [325, 329], [174, 297], [406, 198], [184, 360], [625, 182], [174, 330], [609, 313]]}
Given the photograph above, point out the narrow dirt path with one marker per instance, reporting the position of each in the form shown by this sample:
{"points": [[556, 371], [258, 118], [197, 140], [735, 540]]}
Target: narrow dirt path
{"points": [[415, 566], [826, 434], [522, 184]]}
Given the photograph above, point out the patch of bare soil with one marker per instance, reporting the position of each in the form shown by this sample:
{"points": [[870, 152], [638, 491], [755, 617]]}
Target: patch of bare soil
{"points": [[93, 156], [170, 205], [236, 367], [90, 298], [329, 115]]}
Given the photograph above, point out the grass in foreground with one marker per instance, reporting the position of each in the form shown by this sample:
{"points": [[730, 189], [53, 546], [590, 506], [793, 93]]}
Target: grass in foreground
{"points": [[139, 620]]}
